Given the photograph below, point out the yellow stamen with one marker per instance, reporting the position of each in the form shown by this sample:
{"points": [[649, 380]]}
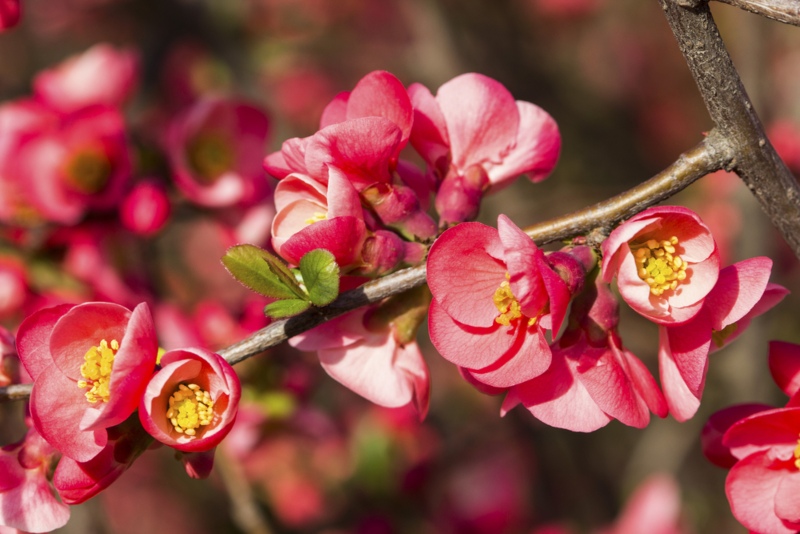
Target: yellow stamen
{"points": [[508, 305], [96, 369], [797, 455], [190, 408], [659, 264], [210, 156], [317, 217]]}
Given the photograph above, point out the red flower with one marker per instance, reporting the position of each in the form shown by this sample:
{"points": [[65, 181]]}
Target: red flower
{"points": [[190, 404], [90, 364]]}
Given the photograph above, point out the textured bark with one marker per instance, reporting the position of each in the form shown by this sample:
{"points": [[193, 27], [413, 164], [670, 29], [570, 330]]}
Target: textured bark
{"points": [[787, 11]]}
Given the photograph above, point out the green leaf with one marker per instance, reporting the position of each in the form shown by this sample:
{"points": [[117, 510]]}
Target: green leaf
{"points": [[320, 276], [257, 269], [281, 309]]}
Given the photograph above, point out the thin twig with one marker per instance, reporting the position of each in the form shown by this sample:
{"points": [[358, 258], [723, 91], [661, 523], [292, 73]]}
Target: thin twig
{"points": [[787, 11], [708, 156]]}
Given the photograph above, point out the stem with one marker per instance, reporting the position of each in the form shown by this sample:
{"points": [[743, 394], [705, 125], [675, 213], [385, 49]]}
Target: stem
{"points": [[755, 161], [787, 11]]}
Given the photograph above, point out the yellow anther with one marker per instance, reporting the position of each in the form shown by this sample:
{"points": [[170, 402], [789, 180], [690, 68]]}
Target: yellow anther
{"points": [[190, 408], [797, 455], [508, 306], [659, 264], [317, 217], [96, 369]]}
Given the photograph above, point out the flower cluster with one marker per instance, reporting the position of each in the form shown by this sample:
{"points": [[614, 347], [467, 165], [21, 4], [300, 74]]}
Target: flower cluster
{"points": [[94, 367], [492, 316]]}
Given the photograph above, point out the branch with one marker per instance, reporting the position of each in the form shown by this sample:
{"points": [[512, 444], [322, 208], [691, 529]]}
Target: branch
{"points": [[708, 156], [756, 161], [787, 11]]}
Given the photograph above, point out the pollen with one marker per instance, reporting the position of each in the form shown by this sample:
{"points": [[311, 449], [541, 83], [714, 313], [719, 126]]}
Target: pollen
{"points": [[797, 455], [96, 369], [317, 217], [508, 305], [190, 408], [659, 265]]}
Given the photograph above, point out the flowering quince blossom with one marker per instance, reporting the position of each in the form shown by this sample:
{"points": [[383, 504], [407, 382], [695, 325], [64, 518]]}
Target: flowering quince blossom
{"points": [[499, 303], [742, 292], [90, 364], [27, 502], [191, 403], [761, 446], [101, 75], [370, 359], [592, 378], [215, 148], [665, 261], [475, 137], [9, 14]]}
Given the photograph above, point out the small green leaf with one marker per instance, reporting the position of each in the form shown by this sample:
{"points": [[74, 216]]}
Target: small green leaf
{"points": [[320, 276], [257, 269], [281, 309]]}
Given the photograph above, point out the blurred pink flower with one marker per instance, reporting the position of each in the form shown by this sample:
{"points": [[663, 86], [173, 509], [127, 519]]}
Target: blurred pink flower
{"points": [[9, 14], [191, 403], [90, 364], [741, 292], [100, 75], [13, 285], [654, 507], [495, 292], [666, 262], [145, 209], [27, 502], [215, 148]]}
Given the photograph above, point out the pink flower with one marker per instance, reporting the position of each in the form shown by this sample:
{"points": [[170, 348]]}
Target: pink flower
{"points": [[592, 378], [190, 404], [494, 292], [27, 501], [741, 293], [654, 507], [90, 364], [9, 14], [56, 167], [215, 148], [100, 75], [13, 285], [145, 209], [370, 358], [473, 126], [311, 215], [665, 261]]}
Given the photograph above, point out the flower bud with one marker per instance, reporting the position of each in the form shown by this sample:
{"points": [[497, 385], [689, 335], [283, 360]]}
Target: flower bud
{"points": [[459, 196], [145, 210]]}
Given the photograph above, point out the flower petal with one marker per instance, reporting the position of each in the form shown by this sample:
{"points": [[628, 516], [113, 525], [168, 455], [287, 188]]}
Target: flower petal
{"points": [[33, 338]]}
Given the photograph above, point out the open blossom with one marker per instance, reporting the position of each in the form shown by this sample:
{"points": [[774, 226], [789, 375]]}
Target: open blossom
{"points": [[761, 446], [475, 137], [27, 502], [191, 403], [371, 359], [100, 75], [215, 148], [90, 364], [665, 261], [495, 292], [592, 378], [742, 292]]}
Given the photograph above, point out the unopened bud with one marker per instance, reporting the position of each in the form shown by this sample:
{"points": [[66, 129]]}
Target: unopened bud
{"points": [[382, 252], [145, 210], [459, 196]]}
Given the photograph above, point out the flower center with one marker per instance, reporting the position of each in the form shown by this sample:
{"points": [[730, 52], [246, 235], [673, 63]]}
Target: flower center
{"points": [[210, 156], [659, 265], [317, 217], [797, 455], [96, 369], [88, 170], [190, 408], [508, 305]]}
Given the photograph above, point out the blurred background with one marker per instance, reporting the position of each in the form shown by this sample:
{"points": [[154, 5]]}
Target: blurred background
{"points": [[307, 455]]}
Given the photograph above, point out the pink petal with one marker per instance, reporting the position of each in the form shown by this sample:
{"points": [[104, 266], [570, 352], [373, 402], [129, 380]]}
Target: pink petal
{"points": [[536, 149], [343, 199], [32, 506], [700, 280], [33, 338], [381, 94], [689, 345], [524, 262], [465, 289], [342, 237], [654, 508], [482, 119], [429, 130], [636, 292], [718, 424], [521, 363], [339, 332], [643, 382], [612, 255], [299, 187], [558, 294], [682, 402], [752, 488], [487, 345], [738, 290], [558, 399], [775, 430], [784, 365], [336, 110], [786, 506]]}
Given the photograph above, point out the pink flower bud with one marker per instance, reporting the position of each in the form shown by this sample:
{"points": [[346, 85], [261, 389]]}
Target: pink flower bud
{"points": [[459, 197], [191, 403], [9, 14], [382, 252], [397, 206], [145, 210]]}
